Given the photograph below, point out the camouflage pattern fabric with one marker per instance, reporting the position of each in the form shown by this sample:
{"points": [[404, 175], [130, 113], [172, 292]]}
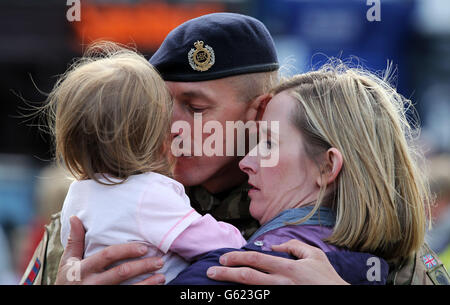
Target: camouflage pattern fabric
{"points": [[231, 207], [423, 268], [48, 253]]}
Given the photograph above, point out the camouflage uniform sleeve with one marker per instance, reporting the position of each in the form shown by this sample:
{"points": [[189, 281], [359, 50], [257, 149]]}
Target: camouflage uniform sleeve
{"points": [[231, 206], [423, 268], [43, 266]]}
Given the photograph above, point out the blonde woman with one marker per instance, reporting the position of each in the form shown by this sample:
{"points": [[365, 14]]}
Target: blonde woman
{"points": [[111, 115], [347, 183]]}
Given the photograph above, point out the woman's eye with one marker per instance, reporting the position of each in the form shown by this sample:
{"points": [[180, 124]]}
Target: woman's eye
{"points": [[265, 148]]}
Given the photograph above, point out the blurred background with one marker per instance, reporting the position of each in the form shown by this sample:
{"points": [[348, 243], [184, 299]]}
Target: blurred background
{"points": [[39, 39]]}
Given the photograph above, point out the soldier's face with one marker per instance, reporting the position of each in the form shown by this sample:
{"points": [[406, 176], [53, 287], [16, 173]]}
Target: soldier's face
{"points": [[292, 182], [216, 101]]}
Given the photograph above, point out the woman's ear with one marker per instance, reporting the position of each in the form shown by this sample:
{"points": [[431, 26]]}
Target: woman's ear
{"points": [[332, 167], [257, 107]]}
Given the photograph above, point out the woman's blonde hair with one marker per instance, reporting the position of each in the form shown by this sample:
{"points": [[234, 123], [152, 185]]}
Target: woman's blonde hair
{"points": [[110, 114], [380, 194]]}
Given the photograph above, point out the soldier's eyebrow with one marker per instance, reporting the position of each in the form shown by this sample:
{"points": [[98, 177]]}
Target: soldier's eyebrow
{"points": [[196, 94]]}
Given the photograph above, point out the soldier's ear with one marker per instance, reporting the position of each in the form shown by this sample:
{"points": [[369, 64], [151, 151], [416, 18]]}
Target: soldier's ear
{"points": [[257, 107]]}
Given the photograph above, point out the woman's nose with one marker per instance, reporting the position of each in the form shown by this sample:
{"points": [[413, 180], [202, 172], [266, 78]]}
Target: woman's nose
{"points": [[248, 164]]}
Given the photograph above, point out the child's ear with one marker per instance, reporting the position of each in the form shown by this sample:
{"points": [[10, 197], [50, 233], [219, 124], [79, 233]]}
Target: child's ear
{"points": [[257, 107], [331, 168]]}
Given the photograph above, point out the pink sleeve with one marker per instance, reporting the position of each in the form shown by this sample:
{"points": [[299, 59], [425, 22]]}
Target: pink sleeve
{"points": [[206, 234], [163, 213]]}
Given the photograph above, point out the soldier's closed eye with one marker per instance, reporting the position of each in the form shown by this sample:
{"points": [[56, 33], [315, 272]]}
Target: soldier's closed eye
{"points": [[196, 108]]}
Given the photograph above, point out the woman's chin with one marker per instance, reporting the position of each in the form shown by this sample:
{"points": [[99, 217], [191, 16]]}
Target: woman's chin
{"points": [[254, 211]]}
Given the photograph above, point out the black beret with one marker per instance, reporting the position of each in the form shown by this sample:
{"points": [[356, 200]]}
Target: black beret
{"points": [[215, 46]]}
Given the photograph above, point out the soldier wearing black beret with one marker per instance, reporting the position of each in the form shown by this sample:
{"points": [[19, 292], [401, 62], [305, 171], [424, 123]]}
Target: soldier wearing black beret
{"points": [[215, 46], [219, 65]]}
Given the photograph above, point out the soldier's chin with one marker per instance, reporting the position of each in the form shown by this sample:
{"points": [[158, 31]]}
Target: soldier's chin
{"points": [[187, 179], [186, 172]]}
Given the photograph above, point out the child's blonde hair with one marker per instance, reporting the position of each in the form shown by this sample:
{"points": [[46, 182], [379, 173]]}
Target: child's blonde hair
{"points": [[380, 194], [110, 114]]}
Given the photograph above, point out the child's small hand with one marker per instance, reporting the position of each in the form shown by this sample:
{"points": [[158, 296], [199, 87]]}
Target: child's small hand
{"points": [[73, 270]]}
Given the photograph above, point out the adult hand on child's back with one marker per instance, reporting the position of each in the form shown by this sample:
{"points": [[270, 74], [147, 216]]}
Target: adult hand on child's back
{"points": [[92, 270], [312, 267]]}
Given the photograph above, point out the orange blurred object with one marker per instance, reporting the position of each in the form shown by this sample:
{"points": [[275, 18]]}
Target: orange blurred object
{"points": [[144, 25]]}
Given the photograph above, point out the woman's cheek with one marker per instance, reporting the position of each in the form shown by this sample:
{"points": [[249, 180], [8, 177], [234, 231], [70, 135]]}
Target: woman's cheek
{"points": [[256, 209]]}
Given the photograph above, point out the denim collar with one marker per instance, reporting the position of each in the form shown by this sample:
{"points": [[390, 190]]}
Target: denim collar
{"points": [[323, 216]]}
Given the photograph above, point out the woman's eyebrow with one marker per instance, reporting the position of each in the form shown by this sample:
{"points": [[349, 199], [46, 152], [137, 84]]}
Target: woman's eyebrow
{"points": [[264, 129]]}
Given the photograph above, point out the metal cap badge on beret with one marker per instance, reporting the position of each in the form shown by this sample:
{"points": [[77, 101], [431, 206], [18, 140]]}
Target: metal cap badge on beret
{"points": [[215, 46]]}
